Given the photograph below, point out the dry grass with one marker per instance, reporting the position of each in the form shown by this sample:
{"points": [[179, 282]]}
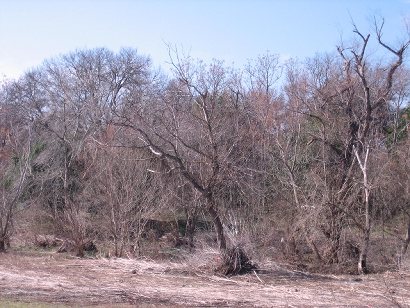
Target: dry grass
{"points": [[52, 278]]}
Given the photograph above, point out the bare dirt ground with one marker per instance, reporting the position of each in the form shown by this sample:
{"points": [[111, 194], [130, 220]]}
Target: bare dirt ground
{"points": [[58, 279]]}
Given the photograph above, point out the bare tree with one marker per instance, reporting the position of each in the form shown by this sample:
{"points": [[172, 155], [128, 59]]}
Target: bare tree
{"points": [[366, 101], [123, 190], [71, 98], [192, 129], [15, 168]]}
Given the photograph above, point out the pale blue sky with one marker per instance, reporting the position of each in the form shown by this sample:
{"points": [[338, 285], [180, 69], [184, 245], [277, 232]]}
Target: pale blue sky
{"points": [[34, 30]]}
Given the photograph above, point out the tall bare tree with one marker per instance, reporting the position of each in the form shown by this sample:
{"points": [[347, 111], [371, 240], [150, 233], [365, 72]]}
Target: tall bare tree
{"points": [[193, 130], [15, 166]]}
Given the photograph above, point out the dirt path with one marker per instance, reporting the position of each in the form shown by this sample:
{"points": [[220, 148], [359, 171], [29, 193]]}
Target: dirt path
{"points": [[109, 282]]}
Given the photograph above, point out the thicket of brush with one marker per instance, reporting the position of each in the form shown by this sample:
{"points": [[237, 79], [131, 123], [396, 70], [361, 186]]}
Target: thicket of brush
{"points": [[303, 161]]}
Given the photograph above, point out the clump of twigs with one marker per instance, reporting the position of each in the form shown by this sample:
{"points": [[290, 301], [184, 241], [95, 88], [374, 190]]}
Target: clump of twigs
{"points": [[236, 262]]}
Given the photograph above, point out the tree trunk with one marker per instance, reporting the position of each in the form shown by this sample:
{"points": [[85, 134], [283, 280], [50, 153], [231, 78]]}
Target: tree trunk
{"points": [[362, 265], [333, 233], [190, 227], [333, 253], [121, 250], [2, 245], [220, 234], [80, 251], [407, 240], [313, 246]]}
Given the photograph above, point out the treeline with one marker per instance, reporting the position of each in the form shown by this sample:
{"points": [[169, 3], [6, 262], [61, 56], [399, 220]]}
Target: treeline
{"points": [[95, 143]]}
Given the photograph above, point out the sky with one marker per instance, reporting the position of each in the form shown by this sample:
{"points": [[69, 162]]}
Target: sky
{"points": [[32, 31]]}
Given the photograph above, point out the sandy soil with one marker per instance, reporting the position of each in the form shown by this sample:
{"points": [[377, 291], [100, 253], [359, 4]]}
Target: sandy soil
{"points": [[54, 278]]}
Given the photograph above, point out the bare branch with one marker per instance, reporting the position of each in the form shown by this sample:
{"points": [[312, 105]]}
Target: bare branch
{"points": [[399, 53]]}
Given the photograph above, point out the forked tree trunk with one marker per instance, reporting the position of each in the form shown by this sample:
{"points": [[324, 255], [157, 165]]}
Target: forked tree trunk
{"points": [[362, 267], [362, 264]]}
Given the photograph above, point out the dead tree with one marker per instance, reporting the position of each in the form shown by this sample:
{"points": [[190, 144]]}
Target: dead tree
{"points": [[373, 101]]}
